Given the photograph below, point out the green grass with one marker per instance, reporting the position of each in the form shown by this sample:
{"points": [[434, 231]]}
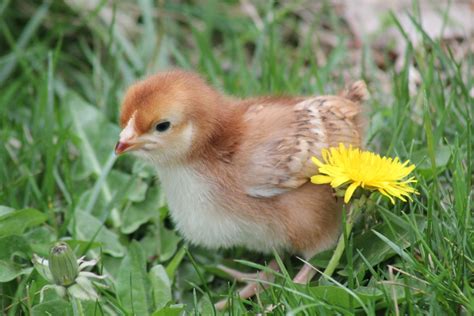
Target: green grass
{"points": [[63, 72]]}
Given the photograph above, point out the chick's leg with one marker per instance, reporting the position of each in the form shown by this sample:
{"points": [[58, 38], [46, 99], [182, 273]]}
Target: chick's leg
{"points": [[237, 275], [305, 274], [253, 286]]}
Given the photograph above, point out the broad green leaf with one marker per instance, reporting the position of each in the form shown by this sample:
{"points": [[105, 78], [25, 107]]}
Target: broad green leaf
{"points": [[100, 206], [374, 249], [151, 242], [161, 286], [395, 247], [133, 188], [96, 140], [87, 227], [140, 213], [96, 134], [336, 295], [188, 277], [175, 262], [169, 240], [81, 246], [5, 210], [15, 223], [92, 308], [423, 164], [398, 289], [143, 169], [9, 271], [133, 285], [205, 306], [172, 310], [54, 307], [111, 265], [443, 153], [14, 244], [40, 239], [122, 187], [322, 259]]}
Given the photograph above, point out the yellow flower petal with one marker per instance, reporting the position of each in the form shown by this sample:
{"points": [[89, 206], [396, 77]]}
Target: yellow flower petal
{"points": [[387, 195], [317, 162], [338, 181], [319, 179], [346, 165], [350, 190]]}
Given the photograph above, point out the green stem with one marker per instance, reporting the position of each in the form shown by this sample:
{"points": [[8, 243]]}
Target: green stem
{"points": [[336, 257], [77, 307], [341, 244]]}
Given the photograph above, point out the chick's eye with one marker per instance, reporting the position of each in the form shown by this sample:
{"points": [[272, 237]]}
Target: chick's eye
{"points": [[163, 126]]}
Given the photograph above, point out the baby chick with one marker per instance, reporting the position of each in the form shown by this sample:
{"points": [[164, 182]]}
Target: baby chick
{"points": [[236, 172]]}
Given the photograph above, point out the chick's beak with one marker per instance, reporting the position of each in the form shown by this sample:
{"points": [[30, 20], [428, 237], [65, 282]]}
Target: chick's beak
{"points": [[123, 146]]}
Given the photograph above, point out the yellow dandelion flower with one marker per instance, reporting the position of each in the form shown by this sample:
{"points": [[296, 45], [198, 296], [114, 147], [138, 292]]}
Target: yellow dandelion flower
{"points": [[364, 169]]}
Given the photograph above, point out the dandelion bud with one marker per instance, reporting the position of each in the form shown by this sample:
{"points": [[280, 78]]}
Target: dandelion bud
{"points": [[63, 264]]}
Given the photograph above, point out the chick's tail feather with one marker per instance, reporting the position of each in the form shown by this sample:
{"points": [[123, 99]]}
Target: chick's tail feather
{"points": [[356, 92]]}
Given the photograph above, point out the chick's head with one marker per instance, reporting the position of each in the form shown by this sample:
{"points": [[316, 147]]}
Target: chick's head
{"points": [[167, 116]]}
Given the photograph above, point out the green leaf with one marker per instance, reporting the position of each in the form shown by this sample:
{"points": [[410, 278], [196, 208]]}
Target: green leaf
{"points": [[339, 296], [424, 165], [54, 307], [175, 262], [189, 277], [399, 250], [143, 169], [161, 286], [87, 227], [100, 207], [151, 242], [168, 243], [322, 259], [15, 223], [111, 265], [96, 140], [96, 134], [376, 250], [122, 187], [40, 239], [5, 210], [132, 282], [11, 245], [42, 267], [9, 271], [205, 306], [140, 213], [398, 289], [134, 188], [172, 310], [81, 246]]}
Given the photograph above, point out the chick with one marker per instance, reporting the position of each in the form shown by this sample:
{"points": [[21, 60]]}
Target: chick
{"points": [[236, 172]]}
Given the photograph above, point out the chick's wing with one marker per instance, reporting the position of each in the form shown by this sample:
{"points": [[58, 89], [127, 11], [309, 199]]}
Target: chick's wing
{"points": [[281, 136]]}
